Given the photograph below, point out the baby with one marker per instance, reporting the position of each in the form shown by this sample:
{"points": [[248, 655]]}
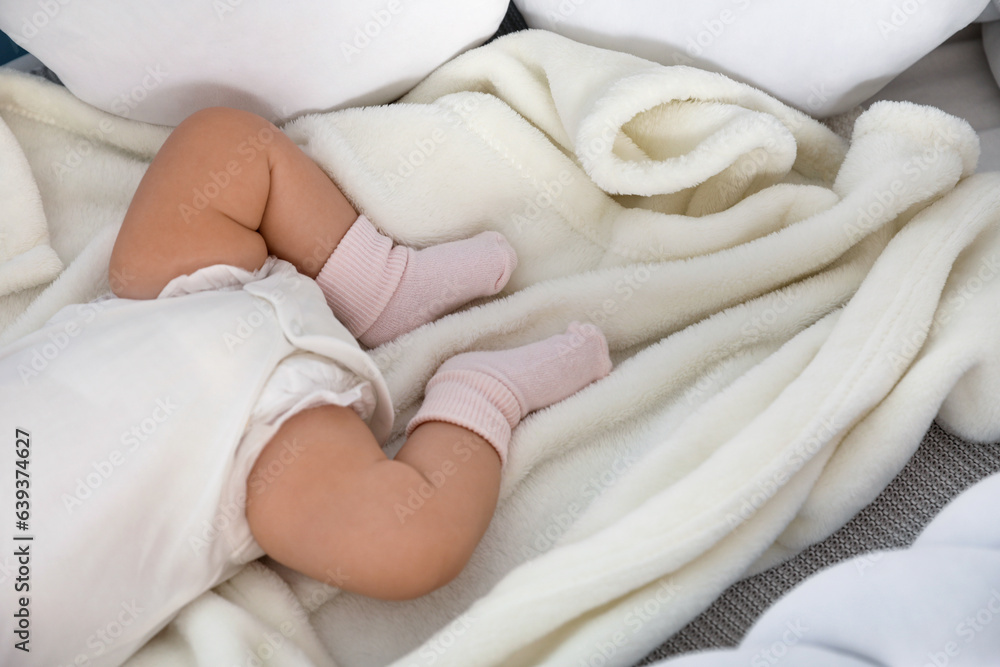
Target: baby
{"points": [[132, 477]]}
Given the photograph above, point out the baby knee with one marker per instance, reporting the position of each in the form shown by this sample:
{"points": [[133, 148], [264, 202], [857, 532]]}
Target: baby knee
{"points": [[250, 133], [223, 118], [412, 580]]}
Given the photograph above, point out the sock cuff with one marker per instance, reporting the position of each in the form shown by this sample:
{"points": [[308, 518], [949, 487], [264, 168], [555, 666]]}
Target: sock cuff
{"points": [[472, 400], [361, 275]]}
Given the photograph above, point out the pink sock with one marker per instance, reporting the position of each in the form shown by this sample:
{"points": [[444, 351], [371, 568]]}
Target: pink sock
{"points": [[380, 292], [490, 392]]}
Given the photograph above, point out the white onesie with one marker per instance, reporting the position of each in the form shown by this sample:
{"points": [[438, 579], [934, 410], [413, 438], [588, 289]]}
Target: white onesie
{"points": [[129, 428]]}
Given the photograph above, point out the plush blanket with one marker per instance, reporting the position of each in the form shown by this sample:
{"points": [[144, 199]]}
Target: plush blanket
{"points": [[787, 313]]}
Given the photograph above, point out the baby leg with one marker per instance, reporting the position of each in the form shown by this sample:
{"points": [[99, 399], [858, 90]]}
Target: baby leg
{"points": [[226, 187], [380, 292], [343, 513]]}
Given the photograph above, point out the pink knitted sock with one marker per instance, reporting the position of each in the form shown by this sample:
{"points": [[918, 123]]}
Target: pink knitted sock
{"points": [[380, 292], [490, 392]]}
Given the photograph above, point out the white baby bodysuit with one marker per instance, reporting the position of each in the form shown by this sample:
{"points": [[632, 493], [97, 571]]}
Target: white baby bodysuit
{"points": [[131, 427]]}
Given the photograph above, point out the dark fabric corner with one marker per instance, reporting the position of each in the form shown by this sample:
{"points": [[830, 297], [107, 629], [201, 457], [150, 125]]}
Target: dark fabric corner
{"points": [[512, 22]]}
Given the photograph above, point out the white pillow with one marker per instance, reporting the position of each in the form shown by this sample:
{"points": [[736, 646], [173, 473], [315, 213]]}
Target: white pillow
{"points": [[160, 60], [821, 56]]}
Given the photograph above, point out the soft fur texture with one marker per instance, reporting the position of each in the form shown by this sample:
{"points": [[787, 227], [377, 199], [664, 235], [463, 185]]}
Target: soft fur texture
{"points": [[786, 313], [26, 258]]}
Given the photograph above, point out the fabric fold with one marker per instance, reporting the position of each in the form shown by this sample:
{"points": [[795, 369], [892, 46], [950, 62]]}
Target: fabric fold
{"points": [[786, 311]]}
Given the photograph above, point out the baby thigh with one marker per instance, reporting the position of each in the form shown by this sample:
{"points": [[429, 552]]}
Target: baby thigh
{"points": [[332, 511], [227, 187], [198, 204]]}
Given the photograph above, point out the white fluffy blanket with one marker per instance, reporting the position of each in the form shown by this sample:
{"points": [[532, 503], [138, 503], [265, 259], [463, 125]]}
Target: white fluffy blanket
{"points": [[787, 314]]}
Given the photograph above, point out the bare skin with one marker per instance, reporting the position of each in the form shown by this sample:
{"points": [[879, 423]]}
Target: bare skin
{"points": [[228, 187]]}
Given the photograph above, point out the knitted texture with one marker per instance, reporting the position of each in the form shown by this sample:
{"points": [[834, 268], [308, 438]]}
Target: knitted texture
{"points": [[380, 292], [490, 392], [361, 276]]}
